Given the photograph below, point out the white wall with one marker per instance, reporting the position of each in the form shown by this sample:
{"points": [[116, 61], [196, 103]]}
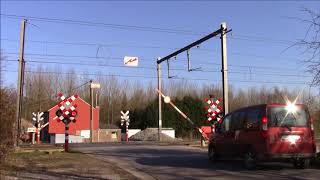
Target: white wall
{"points": [[59, 138], [169, 132], [85, 133], [132, 132]]}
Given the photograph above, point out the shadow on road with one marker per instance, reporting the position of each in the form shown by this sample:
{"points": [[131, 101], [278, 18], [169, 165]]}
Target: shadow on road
{"points": [[184, 158], [183, 162]]}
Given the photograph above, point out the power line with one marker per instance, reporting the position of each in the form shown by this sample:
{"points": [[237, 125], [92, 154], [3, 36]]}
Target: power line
{"points": [[156, 47], [261, 39], [153, 68], [120, 45], [96, 57], [66, 56], [154, 77], [91, 44], [100, 24], [175, 69], [145, 28]]}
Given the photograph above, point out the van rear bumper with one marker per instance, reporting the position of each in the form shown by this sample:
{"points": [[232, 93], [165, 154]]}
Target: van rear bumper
{"points": [[292, 156]]}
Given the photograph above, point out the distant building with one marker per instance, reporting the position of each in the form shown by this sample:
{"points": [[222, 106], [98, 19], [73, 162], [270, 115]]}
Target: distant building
{"points": [[79, 131], [81, 127]]}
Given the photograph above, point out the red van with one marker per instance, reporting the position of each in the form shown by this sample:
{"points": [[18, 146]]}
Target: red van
{"points": [[266, 132]]}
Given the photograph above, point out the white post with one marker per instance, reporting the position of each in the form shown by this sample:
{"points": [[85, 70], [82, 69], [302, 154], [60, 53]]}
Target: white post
{"points": [[224, 68], [159, 99]]}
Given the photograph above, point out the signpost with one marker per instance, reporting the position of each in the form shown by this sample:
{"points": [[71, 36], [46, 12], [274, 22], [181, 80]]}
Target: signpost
{"points": [[92, 86], [130, 61], [125, 121], [66, 113], [37, 121], [214, 111]]}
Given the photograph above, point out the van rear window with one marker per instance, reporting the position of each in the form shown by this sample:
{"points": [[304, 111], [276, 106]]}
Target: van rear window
{"points": [[280, 116]]}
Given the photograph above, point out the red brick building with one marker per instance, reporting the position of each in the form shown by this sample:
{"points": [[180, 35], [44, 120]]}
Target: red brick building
{"points": [[82, 120]]}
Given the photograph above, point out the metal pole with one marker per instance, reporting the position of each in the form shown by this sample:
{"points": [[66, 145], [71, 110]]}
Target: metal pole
{"points": [[96, 99], [159, 99], [127, 135], [224, 68], [211, 35], [39, 92], [20, 82], [91, 104], [38, 128], [66, 136]]}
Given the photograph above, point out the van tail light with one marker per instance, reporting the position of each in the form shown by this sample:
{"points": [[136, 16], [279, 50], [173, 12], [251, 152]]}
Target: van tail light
{"points": [[264, 121]]}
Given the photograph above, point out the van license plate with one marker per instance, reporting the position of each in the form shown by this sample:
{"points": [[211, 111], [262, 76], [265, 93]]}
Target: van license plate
{"points": [[290, 138]]}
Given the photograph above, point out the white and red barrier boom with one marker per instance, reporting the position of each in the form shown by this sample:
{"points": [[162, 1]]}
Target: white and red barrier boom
{"points": [[168, 100]]}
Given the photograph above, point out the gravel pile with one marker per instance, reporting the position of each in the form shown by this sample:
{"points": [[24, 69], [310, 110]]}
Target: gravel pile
{"points": [[151, 134]]}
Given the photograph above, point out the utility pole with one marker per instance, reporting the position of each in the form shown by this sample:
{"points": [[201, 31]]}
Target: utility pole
{"points": [[224, 68], [92, 86], [39, 84], [91, 113], [20, 81], [159, 99]]}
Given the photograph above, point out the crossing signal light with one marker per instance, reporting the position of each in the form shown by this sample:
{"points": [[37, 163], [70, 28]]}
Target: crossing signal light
{"points": [[74, 113], [59, 113]]}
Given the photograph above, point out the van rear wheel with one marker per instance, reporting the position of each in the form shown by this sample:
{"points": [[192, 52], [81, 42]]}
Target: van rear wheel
{"points": [[250, 160], [301, 163]]}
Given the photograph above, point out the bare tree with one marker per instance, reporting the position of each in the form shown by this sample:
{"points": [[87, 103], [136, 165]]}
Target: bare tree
{"points": [[311, 43], [2, 66]]}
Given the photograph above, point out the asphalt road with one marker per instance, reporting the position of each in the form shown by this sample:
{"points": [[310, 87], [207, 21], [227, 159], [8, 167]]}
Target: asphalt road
{"points": [[183, 162]]}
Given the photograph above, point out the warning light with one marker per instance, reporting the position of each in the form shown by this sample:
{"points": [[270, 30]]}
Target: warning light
{"points": [[167, 99], [59, 113], [74, 113]]}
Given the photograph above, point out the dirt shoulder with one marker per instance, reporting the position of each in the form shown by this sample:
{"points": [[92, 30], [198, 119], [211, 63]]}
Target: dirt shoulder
{"points": [[59, 165]]}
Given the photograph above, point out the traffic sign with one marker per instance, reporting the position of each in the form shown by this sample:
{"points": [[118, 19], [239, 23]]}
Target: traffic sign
{"points": [[213, 110], [125, 121], [66, 111], [32, 129], [95, 85], [130, 61]]}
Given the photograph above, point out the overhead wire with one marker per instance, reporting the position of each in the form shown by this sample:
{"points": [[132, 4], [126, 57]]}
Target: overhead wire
{"points": [[101, 24], [136, 28], [154, 68], [144, 28], [120, 58], [152, 77]]}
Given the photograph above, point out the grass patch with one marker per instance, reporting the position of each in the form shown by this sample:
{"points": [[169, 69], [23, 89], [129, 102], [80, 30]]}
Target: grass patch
{"points": [[59, 165]]}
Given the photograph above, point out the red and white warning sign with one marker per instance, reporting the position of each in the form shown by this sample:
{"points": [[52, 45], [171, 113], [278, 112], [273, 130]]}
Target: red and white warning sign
{"points": [[130, 61], [213, 109], [66, 107]]}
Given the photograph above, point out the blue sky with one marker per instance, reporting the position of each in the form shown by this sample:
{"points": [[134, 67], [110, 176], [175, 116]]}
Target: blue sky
{"points": [[257, 55]]}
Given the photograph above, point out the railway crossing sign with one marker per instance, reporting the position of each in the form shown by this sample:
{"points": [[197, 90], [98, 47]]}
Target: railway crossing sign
{"points": [[213, 110], [66, 113], [37, 120], [125, 121], [125, 116]]}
